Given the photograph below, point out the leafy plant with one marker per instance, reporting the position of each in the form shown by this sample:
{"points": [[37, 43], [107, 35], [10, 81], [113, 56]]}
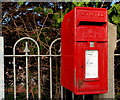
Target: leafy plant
{"points": [[114, 16]]}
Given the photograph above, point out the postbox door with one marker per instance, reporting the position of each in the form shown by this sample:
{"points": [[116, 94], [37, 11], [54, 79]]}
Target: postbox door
{"points": [[92, 66]]}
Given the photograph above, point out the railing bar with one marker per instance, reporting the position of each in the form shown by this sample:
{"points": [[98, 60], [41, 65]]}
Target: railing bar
{"points": [[27, 76], [61, 92], [14, 78], [31, 55], [60, 81], [39, 96], [72, 96], [116, 54], [50, 78], [83, 97]]}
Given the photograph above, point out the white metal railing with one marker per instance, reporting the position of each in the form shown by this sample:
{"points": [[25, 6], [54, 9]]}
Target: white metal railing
{"points": [[1, 68], [26, 50]]}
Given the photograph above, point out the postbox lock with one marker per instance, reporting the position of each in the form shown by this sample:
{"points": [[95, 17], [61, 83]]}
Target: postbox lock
{"points": [[92, 44]]}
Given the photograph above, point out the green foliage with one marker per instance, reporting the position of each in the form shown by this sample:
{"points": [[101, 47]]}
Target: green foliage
{"points": [[34, 90], [41, 9], [114, 17], [78, 3], [38, 9], [50, 10], [114, 14], [20, 2], [117, 96], [57, 20], [41, 47], [58, 16]]}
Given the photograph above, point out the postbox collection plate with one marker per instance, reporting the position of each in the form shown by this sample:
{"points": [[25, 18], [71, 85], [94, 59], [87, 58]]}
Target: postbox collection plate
{"points": [[91, 64]]}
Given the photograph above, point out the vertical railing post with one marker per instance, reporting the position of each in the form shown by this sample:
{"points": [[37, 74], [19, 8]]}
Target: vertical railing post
{"points": [[72, 96], [51, 66], [1, 68], [39, 85], [26, 53], [14, 78], [60, 75], [14, 71]]}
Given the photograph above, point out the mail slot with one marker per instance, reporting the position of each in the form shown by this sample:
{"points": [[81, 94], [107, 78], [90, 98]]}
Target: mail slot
{"points": [[84, 51]]}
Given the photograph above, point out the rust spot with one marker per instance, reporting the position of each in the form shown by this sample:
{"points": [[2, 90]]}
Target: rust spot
{"points": [[69, 19], [80, 83], [75, 77]]}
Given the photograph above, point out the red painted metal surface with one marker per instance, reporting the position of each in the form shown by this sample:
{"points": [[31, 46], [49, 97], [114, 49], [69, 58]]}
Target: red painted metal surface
{"points": [[81, 26]]}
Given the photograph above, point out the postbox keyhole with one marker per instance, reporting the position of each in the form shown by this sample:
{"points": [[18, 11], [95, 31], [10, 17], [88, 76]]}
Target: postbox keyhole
{"points": [[92, 44]]}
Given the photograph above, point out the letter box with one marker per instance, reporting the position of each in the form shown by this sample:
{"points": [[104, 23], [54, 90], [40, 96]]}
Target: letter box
{"points": [[84, 51]]}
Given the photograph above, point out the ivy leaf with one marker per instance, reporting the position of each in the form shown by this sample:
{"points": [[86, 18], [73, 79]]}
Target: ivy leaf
{"points": [[118, 10], [20, 3], [38, 9], [78, 3], [116, 19], [87, 2], [50, 10], [109, 11], [58, 20]]}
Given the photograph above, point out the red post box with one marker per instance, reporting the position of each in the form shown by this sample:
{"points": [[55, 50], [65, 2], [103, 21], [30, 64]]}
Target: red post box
{"points": [[84, 51]]}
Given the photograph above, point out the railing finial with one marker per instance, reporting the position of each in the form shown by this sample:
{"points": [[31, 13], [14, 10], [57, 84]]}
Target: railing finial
{"points": [[26, 50]]}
